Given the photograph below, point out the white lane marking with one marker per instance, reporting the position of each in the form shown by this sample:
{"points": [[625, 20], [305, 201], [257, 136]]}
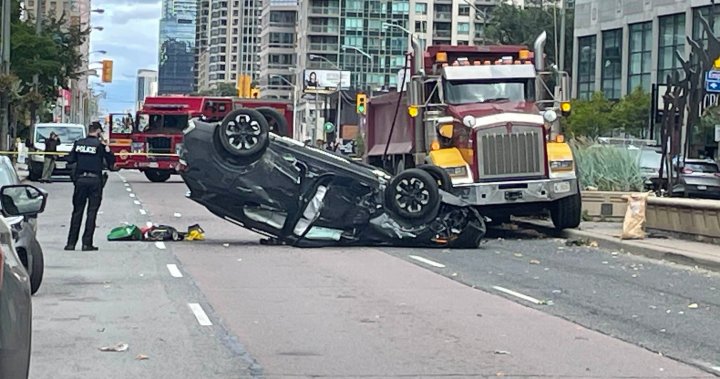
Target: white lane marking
{"points": [[426, 261], [200, 314], [128, 189], [716, 368], [126, 184], [143, 212], [132, 195], [174, 271], [137, 202], [160, 245], [518, 295]]}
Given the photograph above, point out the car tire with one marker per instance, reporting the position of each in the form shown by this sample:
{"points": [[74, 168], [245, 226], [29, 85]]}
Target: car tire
{"points": [[566, 213], [413, 195], [35, 266], [276, 121], [157, 176], [244, 133], [441, 176]]}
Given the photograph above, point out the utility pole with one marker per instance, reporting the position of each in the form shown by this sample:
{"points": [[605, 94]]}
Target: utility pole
{"points": [[5, 63], [561, 64]]}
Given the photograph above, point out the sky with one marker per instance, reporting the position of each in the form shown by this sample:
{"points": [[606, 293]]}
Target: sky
{"points": [[130, 37]]}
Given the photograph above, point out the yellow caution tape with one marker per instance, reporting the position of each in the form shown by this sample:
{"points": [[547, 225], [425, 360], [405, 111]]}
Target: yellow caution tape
{"points": [[63, 154]]}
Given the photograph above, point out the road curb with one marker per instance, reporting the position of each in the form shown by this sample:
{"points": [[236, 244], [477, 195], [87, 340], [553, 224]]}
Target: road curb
{"points": [[631, 246]]}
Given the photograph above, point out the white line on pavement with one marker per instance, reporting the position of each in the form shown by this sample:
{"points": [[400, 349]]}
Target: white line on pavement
{"points": [[137, 202], [716, 368], [143, 212], [128, 189], [518, 295], [174, 271], [160, 245], [132, 195], [200, 315], [426, 261]]}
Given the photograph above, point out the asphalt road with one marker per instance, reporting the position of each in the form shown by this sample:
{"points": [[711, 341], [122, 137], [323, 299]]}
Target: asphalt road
{"points": [[275, 311]]}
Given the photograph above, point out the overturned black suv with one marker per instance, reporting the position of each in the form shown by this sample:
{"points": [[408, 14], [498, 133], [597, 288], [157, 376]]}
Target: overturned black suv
{"points": [[304, 196]]}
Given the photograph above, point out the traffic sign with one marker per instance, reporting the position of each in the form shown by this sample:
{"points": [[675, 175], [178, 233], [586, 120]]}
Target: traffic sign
{"points": [[712, 81], [329, 127]]}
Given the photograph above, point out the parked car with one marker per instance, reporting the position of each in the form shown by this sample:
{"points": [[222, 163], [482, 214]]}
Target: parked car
{"points": [[15, 298], [24, 231], [305, 196], [68, 134], [698, 178]]}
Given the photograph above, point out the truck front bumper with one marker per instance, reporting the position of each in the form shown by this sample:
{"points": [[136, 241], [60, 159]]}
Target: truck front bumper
{"points": [[505, 193]]}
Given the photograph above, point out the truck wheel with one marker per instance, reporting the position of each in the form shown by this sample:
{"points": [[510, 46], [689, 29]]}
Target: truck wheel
{"points": [[244, 133], [35, 171], [566, 213], [157, 176], [413, 195], [441, 176], [276, 121]]}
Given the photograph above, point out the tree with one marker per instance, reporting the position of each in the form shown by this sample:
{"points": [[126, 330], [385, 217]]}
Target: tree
{"points": [[632, 112], [589, 118], [512, 25], [220, 89]]}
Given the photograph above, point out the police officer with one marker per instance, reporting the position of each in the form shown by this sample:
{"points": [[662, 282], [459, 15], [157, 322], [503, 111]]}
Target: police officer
{"points": [[88, 155]]}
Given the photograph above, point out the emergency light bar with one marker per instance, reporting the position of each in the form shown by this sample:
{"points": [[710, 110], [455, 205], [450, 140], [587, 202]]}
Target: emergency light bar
{"points": [[167, 106]]}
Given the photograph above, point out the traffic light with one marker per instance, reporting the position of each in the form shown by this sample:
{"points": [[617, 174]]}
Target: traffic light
{"points": [[361, 103], [107, 70], [565, 108]]}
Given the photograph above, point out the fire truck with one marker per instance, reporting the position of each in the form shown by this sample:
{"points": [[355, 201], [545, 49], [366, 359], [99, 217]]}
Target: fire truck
{"points": [[489, 118], [150, 140]]}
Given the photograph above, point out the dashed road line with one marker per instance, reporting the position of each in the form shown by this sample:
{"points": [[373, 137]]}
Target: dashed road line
{"points": [[143, 212], [200, 314], [160, 245], [132, 195], [518, 295], [174, 271], [128, 189], [137, 202], [426, 261]]}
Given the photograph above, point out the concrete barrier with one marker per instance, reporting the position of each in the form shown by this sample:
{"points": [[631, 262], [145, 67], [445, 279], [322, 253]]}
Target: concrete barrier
{"points": [[692, 219], [604, 205]]}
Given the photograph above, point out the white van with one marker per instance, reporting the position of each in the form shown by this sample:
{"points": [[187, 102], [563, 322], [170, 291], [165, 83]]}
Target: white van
{"points": [[68, 133]]}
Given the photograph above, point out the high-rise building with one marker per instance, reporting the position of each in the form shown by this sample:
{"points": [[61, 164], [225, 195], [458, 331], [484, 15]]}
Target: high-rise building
{"points": [[277, 48], [177, 47], [227, 38], [146, 85]]}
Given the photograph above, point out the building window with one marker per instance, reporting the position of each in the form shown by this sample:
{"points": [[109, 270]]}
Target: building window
{"points": [[640, 60], [612, 63], [698, 31], [400, 7], [463, 28], [586, 66], [464, 10], [354, 24], [421, 26], [672, 39], [420, 8]]}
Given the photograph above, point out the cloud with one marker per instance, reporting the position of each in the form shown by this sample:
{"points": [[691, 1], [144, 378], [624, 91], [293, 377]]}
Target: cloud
{"points": [[130, 37]]}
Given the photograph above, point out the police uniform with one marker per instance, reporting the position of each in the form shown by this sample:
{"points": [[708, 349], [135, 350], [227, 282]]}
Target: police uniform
{"points": [[88, 155]]}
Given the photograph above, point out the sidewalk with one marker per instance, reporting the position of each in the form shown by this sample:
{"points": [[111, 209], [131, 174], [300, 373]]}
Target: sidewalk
{"points": [[607, 236]]}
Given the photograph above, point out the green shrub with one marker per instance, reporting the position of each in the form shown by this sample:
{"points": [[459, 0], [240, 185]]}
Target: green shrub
{"points": [[607, 168]]}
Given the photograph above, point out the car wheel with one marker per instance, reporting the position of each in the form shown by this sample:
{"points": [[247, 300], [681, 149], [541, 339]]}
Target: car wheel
{"points": [[35, 265], [244, 133], [441, 176], [413, 195], [276, 121], [157, 176]]}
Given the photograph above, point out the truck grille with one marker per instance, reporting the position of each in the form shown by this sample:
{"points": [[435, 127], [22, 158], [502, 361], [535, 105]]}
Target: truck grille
{"points": [[519, 153], [160, 145]]}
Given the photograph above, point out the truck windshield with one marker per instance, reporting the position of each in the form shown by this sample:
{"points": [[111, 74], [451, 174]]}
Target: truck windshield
{"points": [[163, 123], [471, 92], [67, 134]]}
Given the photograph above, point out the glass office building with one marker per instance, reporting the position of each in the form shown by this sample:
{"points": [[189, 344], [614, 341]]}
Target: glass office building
{"points": [[177, 47]]}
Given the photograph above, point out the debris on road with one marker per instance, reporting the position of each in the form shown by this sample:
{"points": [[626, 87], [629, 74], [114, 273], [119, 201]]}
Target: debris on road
{"points": [[519, 255], [693, 306], [176, 214], [634, 223], [153, 232], [120, 347], [142, 357], [581, 242], [502, 352], [534, 262]]}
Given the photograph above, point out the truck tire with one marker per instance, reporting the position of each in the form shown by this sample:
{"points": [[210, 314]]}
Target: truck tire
{"points": [[244, 133], [566, 213], [276, 121], [441, 176], [413, 195], [157, 176]]}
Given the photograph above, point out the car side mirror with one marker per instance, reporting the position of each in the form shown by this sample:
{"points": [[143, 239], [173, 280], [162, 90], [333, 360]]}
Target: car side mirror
{"points": [[22, 200]]}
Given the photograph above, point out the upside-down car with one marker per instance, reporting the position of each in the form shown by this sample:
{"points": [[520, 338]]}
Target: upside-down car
{"points": [[305, 196]]}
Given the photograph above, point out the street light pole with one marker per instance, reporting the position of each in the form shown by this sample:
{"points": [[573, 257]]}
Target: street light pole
{"points": [[339, 87], [294, 88]]}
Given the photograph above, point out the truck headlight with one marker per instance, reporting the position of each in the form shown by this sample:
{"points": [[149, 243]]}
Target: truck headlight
{"points": [[454, 172], [550, 116], [469, 121], [565, 165]]}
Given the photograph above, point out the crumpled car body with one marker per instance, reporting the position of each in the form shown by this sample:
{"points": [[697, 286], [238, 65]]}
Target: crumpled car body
{"points": [[304, 196]]}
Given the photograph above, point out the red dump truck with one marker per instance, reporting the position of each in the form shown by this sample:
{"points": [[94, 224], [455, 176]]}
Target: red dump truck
{"points": [[485, 116], [149, 140]]}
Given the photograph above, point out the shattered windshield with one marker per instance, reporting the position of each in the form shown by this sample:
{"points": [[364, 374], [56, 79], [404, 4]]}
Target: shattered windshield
{"points": [[469, 92]]}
